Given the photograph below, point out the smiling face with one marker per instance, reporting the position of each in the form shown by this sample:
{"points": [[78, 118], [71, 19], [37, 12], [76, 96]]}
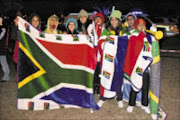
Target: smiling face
{"points": [[131, 22], [83, 19], [114, 22], [35, 21], [72, 26]]}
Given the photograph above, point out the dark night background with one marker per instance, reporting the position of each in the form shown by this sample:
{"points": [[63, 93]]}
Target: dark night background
{"points": [[46, 8]]}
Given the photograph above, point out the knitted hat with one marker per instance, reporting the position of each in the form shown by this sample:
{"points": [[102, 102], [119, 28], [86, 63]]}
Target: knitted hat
{"points": [[131, 14], [98, 15], [71, 20], [116, 14], [82, 13], [139, 20]]}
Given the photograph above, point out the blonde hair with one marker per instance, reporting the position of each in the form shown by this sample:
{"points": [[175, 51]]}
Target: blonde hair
{"points": [[48, 30]]}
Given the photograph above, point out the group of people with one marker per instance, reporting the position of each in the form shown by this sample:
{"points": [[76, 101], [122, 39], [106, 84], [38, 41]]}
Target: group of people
{"points": [[95, 29]]}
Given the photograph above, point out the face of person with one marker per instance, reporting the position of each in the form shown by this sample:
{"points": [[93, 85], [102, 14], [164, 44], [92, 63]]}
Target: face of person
{"points": [[54, 23], [131, 21], [1, 20], [71, 26], [98, 21], [35, 21], [83, 19], [19, 14], [141, 26], [114, 22]]}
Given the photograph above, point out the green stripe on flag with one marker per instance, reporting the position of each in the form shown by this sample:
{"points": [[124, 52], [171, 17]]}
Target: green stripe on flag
{"points": [[153, 106], [155, 49]]}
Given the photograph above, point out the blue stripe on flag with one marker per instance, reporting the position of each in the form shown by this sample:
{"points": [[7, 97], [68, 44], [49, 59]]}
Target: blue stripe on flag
{"points": [[73, 97], [119, 63]]}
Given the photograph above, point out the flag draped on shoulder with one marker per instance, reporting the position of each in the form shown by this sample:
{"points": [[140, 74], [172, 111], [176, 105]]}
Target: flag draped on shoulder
{"points": [[54, 71], [138, 59]]}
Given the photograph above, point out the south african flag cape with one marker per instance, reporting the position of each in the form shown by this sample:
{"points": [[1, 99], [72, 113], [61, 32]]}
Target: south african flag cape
{"points": [[54, 71]]}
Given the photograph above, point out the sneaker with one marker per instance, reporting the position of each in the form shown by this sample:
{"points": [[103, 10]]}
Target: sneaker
{"points": [[138, 104], [154, 117], [130, 109], [146, 109], [5, 78], [120, 104], [100, 103]]}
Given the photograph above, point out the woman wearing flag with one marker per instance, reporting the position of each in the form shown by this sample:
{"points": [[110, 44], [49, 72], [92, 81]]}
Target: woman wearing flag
{"points": [[113, 27]]}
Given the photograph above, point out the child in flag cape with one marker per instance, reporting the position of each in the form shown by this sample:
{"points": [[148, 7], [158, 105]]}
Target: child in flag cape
{"points": [[138, 59], [114, 27]]}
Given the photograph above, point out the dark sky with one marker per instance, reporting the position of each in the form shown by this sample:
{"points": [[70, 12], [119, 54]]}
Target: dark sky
{"points": [[163, 7], [49, 7]]}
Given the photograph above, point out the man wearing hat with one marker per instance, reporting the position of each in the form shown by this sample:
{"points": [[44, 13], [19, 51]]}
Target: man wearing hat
{"points": [[130, 19]]}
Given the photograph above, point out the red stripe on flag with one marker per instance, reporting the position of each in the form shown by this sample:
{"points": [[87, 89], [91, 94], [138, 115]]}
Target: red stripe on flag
{"points": [[73, 54], [134, 48]]}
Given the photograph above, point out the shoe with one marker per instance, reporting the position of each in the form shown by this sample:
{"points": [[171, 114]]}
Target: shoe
{"points": [[100, 103], [4, 80], [138, 104], [120, 104], [130, 109], [154, 117], [146, 109]]}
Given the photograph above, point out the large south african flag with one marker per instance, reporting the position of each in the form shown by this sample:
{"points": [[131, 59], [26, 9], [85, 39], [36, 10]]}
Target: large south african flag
{"points": [[54, 71]]}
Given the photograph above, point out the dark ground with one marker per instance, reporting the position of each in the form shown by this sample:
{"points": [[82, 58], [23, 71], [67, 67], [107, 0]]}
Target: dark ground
{"points": [[169, 101]]}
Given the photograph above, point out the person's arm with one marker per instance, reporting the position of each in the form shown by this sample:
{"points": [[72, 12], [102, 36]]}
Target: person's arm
{"points": [[2, 33]]}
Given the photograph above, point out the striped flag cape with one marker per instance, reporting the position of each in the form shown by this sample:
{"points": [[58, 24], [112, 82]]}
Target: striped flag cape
{"points": [[54, 71]]}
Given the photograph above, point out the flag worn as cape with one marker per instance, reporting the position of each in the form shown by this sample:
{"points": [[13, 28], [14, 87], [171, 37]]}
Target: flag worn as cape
{"points": [[113, 50], [54, 70], [138, 59]]}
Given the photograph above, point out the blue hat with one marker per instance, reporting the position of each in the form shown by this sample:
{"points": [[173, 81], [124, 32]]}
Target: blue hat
{"points": [[71, 20]]}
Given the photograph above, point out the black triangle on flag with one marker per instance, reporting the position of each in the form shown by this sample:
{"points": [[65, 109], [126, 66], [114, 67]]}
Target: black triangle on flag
{"points": [[25, 66]]}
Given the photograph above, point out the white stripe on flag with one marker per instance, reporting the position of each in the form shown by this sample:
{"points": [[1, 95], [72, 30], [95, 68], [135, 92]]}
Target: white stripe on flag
{"points": [[63, 85]]}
